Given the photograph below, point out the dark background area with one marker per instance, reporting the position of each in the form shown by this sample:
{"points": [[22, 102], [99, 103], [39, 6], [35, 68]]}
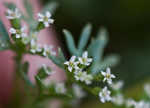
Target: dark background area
{"points": [[128, 24]]}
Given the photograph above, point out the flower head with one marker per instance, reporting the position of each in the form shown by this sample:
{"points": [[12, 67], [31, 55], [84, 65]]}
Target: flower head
{"points": [[84, 59], [83, 76], [117, 85], [78, 92], [108, 76], [147, 89], [13, 14], [105, 95], [48, 50], [35, 47], [19, 33], [72, 64], [46, 19], [60, 88], [118, 99]]}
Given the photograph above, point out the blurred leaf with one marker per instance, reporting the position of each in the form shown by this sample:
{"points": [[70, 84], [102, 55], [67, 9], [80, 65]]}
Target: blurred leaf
{"points": [[57, 61], [42, 73], [3, 32], [84, 37], [109, 61], [52, 6], [61, 55], [10, 5], [25, 67], [39, 83], [28, 8], [70, 42], [98, 45]]}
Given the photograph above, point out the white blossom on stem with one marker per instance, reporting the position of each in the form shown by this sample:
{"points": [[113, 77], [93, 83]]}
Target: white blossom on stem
{"points": [[108, 76], [19, 33], [84, 59], [48, 50], [35, 47], [72, 64], [104, 95], [46, 19], [13, 14]]}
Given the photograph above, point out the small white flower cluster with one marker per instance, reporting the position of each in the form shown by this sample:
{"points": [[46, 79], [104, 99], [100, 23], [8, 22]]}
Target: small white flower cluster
{"points": [[45, 19], [60, 88], [118, 100], [13, 14], [133, 104], [32, 38], [104, 94], [78, 92], [19, 33], [77, 66], [147, 89]]}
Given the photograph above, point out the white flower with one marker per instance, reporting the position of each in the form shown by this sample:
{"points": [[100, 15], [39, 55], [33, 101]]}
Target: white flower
{"points": [[117, 85], [25, 39], [79, 93], [18, 33], [108, 76], [147, 89], [60, 88], [46, 19], [130, 103], [33, 36], [48, 50], [84, 59], [35, 47], [72, 64], [13, 14], [141, 104], [118, 99], [105, 95], [83, 76], [47, 70]]}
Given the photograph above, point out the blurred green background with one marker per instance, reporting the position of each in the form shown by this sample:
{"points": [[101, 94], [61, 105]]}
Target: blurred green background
{"points": [[128, 23]]}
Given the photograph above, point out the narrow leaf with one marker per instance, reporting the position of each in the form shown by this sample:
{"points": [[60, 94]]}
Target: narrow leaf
{"points": [[97, 46], [28, 8], [70, 42], [52, 6], [84, 37], [3, 32]]}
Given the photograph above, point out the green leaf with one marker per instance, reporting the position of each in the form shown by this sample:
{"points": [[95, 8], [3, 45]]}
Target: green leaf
{"points": [[61, 55], [52, 6], [57, 61], [96, 48], [11, 6], [28, 8], [3, 32], [84, 37], [109, 61], [42, 73], [26, 67], [70, 42], [39, 83]]}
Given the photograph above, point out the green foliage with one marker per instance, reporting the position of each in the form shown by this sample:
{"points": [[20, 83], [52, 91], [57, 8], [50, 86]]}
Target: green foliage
{"points": [[52, 6], [10, 5], [86, 32], [64, 91], [28, 8], [70, 42]]}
